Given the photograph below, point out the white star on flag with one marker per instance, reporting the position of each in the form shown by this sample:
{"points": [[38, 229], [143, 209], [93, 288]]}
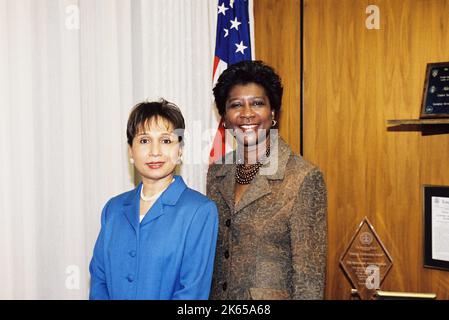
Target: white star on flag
{"points": [[231, 46], [235, 24], [240, 47], [222, 9]]}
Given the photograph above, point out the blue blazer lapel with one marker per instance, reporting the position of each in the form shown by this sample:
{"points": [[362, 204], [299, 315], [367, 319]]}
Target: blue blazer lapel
{"points": [[131, 207], [156, 210], [168, 198]]}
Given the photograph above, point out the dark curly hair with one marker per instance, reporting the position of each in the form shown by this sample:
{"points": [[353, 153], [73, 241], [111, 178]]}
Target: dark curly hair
{"points": [[246, 72]]}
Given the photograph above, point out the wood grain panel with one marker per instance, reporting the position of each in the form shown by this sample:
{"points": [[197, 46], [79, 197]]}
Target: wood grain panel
{"points": [[356, 79], [277, 37]]}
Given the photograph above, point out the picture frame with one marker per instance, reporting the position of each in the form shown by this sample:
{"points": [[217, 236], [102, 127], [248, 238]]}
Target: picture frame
{"points": [[436, 226], [435, 100]]}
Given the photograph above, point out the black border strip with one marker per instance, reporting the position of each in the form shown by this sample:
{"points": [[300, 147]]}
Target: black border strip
{"points": [[301, 71]]}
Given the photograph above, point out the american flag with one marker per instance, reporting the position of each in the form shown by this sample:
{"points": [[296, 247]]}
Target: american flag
{"points": [[232, 45]]}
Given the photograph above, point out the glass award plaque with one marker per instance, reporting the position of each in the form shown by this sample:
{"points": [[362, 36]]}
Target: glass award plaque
{"points": [[435, 102], [366, 261]]}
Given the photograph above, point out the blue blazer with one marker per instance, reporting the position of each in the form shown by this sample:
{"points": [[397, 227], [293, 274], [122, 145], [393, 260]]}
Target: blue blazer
{"points": [[169, 255]]}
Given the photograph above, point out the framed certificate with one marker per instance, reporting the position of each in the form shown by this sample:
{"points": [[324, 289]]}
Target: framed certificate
{"points": [[436, 226]]}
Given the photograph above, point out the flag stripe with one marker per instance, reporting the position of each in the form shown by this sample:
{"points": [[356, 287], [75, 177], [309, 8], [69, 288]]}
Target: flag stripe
{"points": [[232, 45]]}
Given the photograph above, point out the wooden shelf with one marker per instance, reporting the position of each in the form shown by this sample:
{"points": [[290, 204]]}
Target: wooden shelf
{"points": [[418, 121]]}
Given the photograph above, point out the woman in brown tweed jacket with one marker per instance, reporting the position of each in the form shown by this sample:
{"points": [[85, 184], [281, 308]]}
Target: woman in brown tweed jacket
{"points": [[271, 202]]}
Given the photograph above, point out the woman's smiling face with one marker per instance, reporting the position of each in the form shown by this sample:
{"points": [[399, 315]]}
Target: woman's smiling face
{"points": [[155, 149], [248, 113]]}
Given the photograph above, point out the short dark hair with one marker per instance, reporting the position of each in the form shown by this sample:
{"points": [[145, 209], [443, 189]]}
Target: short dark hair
{"points": [[246, 72], [145, 111]]}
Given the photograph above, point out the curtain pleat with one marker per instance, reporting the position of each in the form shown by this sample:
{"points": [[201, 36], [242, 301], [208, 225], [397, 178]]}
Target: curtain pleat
{"points": [[65, 96]]}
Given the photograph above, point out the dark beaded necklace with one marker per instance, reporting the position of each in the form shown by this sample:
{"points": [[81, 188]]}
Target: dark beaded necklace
{"points": [[244, 174]]}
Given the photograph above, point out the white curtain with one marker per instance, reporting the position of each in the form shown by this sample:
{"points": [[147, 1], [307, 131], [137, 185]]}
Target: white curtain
{"points": [[70, 71]]}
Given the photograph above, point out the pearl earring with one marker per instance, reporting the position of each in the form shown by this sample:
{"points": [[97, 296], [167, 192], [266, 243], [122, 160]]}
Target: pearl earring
{"points": [[131, 160]]}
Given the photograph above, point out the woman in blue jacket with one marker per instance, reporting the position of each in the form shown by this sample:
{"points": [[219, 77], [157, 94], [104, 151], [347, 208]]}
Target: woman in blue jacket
{"points": [[158, 240]]}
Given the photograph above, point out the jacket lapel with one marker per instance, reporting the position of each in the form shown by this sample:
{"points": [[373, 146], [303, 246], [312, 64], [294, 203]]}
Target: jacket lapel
{"points": [[168, 198], [226, 186], [131, 207], [156, 210], [258, 188], [274, 169]]}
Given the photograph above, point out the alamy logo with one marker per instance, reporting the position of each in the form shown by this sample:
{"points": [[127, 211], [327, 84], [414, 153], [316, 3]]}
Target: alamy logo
{"points": [[372, 281], [72, 20], [373, 20], [72, 281]]}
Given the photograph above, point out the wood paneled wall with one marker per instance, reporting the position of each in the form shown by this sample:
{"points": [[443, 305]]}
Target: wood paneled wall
{"points": [[356, 79], [277, 37]]}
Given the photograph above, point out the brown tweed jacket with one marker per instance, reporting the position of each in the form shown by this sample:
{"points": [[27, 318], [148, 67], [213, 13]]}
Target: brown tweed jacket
{"points": [[272, 244]]}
